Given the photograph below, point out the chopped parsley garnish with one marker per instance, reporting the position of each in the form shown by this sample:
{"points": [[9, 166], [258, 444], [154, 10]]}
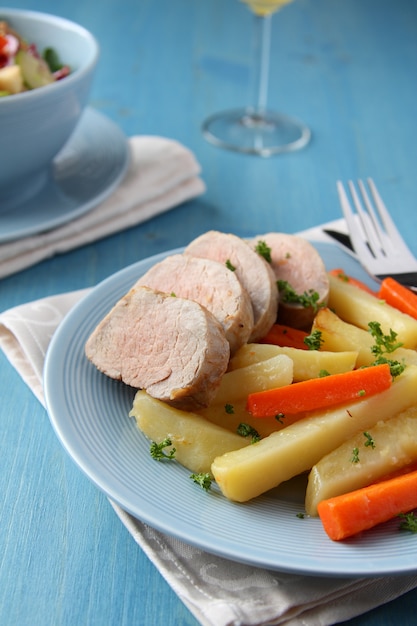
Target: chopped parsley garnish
{"points": [[369, 443], [263, 250], [355, 455], [361, 392], [385, 344], [343, 276], [409, 522], [203, 479], [289, 295], [314, 340], [229, 408], [301, 515], [230, 265], [246, 430], [396, 368], [157, 450], [323, 373]]}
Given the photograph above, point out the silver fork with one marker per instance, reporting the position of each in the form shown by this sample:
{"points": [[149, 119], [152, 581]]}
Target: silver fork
{"points": [[375, 238]]}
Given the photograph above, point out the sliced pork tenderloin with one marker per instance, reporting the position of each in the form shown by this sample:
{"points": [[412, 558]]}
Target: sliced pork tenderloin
{"points": [[212, 285], [253, 271], [172, 347], [297, 262]]}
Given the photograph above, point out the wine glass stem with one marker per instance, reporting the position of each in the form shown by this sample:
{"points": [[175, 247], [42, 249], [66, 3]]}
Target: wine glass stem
{"points": [[260, 68]]}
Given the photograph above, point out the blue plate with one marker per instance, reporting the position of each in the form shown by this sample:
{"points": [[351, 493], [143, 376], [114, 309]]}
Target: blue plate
{"points": [[89, 413], [84, 173]]}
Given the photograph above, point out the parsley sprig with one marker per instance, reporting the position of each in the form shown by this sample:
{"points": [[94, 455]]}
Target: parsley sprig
{"points": [[385, 344], [314, 340], [158, 453], [306, 299], [246, 430], [263, 250], [203, 479], [409, 522]]}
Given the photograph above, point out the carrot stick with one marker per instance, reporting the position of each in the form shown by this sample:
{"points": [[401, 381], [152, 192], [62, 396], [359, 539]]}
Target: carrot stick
{"points": [[351, 513], [339, 273], [398, 296], [285, 336], [318, 393]]}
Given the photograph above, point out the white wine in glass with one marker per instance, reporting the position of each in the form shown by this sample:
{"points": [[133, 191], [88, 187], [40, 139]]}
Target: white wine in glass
{"points": [[254, 129]]}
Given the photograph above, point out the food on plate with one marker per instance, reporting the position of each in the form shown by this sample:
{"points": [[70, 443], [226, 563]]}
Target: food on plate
{"points": [[302, 277], [228, 408], [351, 513], [247, 473], [357, 307], [195, 441], [286, 336], [339, 335], [320, 392], [229, 419], [23, 67], [363, 459], [170, 346], [398, 296], [306, 363], [252, 269], [211, 284]]}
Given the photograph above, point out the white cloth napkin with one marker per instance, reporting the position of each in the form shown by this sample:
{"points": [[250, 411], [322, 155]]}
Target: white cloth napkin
{"points": [[162, 174], [217, 591]]}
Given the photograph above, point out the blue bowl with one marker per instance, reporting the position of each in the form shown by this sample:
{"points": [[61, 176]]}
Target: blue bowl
{"points": [[36, 124]]}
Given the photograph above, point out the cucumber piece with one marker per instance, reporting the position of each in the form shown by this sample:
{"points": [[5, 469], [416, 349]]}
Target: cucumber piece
{"points": [[35, 71]]}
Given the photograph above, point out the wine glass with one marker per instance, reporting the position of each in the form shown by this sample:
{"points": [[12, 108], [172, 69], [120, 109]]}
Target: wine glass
{"points": [[254, 129]]}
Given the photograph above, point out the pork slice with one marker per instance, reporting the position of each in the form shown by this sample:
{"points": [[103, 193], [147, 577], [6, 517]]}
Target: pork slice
{"points": [[172, 347], [253, 271], [296, 261], [212, 285]]}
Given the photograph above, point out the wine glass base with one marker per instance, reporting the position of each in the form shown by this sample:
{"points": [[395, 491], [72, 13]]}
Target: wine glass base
{"points": [[266, 134]]}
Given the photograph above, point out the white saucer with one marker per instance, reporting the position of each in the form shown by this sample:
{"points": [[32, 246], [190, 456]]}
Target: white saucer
{"points": [[84, 173]]}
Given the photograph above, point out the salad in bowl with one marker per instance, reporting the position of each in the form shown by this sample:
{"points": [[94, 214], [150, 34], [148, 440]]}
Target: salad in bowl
{"points": [[23, 66]]}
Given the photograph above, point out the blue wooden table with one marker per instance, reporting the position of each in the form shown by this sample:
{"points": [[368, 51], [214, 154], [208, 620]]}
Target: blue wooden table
{"points": [[348, 69]]}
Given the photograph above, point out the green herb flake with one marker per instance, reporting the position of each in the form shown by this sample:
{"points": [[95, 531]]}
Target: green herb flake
{"points": [[343, 276], [230, 265], [314, 340], [301, 515], [203, 479], [157, 450], [355, 455], [323, 373], [361, 392], [290, 296], [280, 417], [246, 430], [229, 408], [396, 368], [369, 443], [383, 343], [264, 251], [409, 522]]}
